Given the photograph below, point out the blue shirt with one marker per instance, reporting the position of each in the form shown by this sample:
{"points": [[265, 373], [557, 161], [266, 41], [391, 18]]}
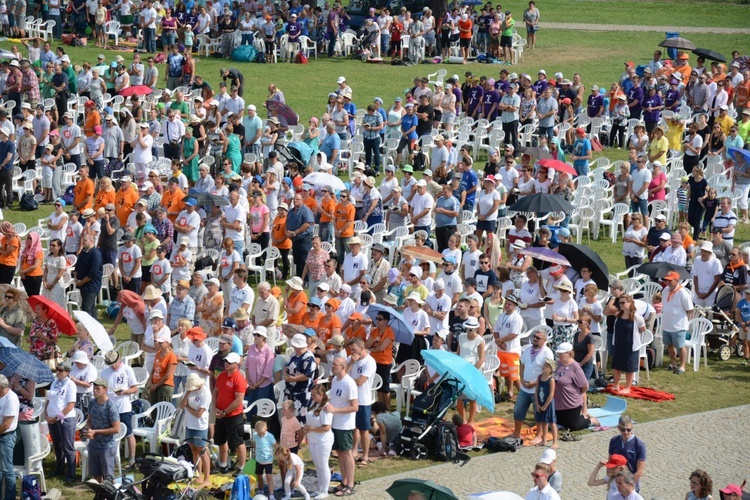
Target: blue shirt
{"points": [[264, 447], [174, 63], [744, 307], [5, 148], [581, 148], [90, 264], [448, 203], [331, 143], [468, 181], [297, 218], [407, 122], [103, 416], [634, 450]]}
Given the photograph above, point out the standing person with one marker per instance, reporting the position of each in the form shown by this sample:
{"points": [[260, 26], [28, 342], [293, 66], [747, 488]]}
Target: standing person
{"points": [[343, 405], [161, 382], [531, 19], [361, 367], [630, 446], [299, 228], [228, 395], [532, 361], [60, 415], [676, 314], [119, 383], [544, 402], [10, 247], [507, 329], [470, 348], [707, 272], [9, 406], [88, 274], [628, 328], [320, 437], [102, 423], [299, 376], [196, 402]]}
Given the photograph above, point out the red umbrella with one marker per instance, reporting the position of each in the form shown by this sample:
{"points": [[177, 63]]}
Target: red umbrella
{"points": [[56, 313], [558, 165], [136, 90]]}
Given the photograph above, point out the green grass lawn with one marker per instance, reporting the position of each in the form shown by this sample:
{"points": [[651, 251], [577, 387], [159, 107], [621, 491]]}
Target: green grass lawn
{"points": [[598, 57]]}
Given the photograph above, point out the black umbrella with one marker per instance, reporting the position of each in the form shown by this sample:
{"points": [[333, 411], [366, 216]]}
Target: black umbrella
{"points": [[582, 256], [208, 199], [677, 43], [542, 203], [710, 54], [657, 270]]}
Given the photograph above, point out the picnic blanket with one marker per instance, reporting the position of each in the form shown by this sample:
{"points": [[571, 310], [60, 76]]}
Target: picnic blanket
{"points": [[501, 427], [647, 393]]}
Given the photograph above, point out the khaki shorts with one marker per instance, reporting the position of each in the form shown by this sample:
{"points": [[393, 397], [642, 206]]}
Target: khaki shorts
{"points": [[743, 334], [212, 413]]}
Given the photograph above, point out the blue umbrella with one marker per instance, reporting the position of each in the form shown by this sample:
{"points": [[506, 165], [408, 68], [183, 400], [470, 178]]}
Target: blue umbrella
{"points": [[475, 388], [18, 361], [739, 154], [471, 2], [6, 343], [401, 329]]}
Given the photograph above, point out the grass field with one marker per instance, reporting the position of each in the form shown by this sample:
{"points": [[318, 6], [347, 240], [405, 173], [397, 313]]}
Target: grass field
{"points": [[598, 57]]}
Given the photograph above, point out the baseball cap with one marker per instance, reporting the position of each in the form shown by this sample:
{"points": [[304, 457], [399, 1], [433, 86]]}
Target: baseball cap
{"points": [[550, 456], [232, 357]]}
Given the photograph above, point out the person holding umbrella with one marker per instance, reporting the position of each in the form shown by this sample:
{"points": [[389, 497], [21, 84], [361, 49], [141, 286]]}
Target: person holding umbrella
{"points": [[59, 410], [43, 336]]}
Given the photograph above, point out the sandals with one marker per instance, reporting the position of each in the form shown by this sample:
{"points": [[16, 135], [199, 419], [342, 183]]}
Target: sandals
{"points": [[363, 463], [336, 489], [567, 436], [345, 492]]}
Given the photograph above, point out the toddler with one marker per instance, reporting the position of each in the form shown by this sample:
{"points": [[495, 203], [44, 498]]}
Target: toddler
{"points": [[264, 444], [544, 403], [656, 302], [295, 470], [467, 438]]}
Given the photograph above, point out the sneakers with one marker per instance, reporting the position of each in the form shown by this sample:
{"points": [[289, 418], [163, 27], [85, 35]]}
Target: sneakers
{"points": [[321, 496]]}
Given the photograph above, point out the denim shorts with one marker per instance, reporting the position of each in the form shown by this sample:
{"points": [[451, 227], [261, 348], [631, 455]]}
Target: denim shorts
{"points": [[196, 437], [676, 339], [127, 419], [524, 400], [639, 206], [362, 419]]}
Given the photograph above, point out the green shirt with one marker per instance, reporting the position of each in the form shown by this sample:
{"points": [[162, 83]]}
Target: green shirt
{"points": [[72, 79], [182, 107], [508, 27], [743, 130]]}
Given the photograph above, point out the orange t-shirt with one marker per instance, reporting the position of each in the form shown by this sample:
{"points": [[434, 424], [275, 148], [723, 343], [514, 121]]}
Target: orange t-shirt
{"points": [[311, 204], [312, 322], [39, 258], [293, 300], [161, 364], [84, 189], [173, 202], [278, 232], [104, 197], [125, 204], [12, 258], [382, 357], [743, 93], [687, 241], [351, 333], [330, 207], [343, 215], [92, 120], [325, 327], [465, 28]]}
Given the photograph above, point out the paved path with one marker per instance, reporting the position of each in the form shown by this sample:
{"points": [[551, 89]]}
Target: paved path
{"points": [[716, 441], [659, 29]]}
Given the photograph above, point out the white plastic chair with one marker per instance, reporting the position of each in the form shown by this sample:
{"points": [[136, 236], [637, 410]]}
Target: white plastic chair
{"points": [[698, 328], [34, 464], [308, 46], [646, 338], [265, 408], [617, 211], [85, 453], [162, 415], [129, 350]]}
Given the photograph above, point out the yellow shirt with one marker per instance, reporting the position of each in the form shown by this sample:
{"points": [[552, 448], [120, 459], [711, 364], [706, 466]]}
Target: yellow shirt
{"points": [[726, 123], [674, 136], [659, 146]]}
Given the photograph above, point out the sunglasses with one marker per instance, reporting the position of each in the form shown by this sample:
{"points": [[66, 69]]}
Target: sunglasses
{"points": [[536, 337], [580, 322], [537, 476], [484, 262], [625, 429]]}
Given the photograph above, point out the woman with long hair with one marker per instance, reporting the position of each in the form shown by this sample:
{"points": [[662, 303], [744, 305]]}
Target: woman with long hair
{"points": [[628, 327], [54, 268], [319, 436], [701, 486], [161, 382], [32, 257]]}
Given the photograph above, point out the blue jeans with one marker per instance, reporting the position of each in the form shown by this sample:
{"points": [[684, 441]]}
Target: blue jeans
{"points": [[331, 43], [548, 131], [63, 436], [385, 41], [239, 245], [7, 476], [523, 401], [247, 39], [58, 29], [149, 39], [88, 303], [168, 39], [582, 169], [325, 231], [588, 369]]}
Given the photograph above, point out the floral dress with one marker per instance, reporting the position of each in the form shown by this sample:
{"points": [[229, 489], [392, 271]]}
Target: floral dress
{"points": [[299, 392], [211, 321], [316, 265], [41, 349], [54, 264]]}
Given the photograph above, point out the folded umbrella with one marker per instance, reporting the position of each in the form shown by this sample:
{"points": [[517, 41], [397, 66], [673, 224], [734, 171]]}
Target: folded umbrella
{"points": [[18, 361], [582, 256], [402, 331], [710, 54], [401, 489], [558, 165], [475, 385], [657, 270], [542, 203], [97, 332], [677, 43], [56, 313]]}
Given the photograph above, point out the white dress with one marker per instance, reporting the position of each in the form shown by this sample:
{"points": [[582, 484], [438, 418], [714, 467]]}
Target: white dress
{"points": [[54, 264]]}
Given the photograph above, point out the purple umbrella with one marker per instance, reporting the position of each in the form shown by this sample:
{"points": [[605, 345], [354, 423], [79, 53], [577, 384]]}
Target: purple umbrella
{"points": [[281, 110], [546, 255]]}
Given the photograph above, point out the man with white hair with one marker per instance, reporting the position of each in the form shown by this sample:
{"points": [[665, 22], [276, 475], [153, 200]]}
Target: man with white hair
{"points": [[707, 271], [9, 415], [265, 311]]}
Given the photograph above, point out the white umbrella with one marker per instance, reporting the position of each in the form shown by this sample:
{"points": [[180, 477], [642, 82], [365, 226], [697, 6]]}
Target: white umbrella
{"points": [[322, 179], [96, 331], [6, 343], [495, 495]]}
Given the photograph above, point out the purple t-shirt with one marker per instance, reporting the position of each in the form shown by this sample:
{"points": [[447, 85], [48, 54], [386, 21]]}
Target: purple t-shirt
{"points": [[457, 93], [475, 96], [594, 105], [333, 20], [540, 86], [570, 386], [672, 97], [293, 30], [490, 98], [635, 94], [502, 86], [652, 101]]}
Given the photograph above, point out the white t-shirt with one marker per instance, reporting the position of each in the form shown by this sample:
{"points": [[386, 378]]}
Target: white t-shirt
{"points": [[233, 214], [417, 320], [530, 293], [386, 187], [72, 236], [674, 312], [532, 367], [141, 154], [200, 357], [226, 262], [86, 374], [55, 220], [595, 308], [182, 272], [453, 284], [187, 219], [9, 408], [706, 272], [60, 394], [343, 391], [353, 266], [69, 134], [127, 256], [674, 256], [198, 399], [364, 367], [508, 177], [485, 202], [159, 269], [240, 296], [122, 379], [419, 203], [510, 323], [641, 177], [565, 309], [471, 263], [442, 304]]}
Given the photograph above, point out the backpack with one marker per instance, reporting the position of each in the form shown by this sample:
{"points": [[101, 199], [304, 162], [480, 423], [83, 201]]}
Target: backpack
{"points": [[160, 58], [508, 443], [28, 202], [30, 489], [596, 145], [419, 161], [261, 57], [446, 442], [301, 58], [113, 309], [241, 488], [69, 195]]}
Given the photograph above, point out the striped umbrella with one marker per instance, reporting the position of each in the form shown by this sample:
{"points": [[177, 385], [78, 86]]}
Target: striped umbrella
{"points": [[18, 361]]}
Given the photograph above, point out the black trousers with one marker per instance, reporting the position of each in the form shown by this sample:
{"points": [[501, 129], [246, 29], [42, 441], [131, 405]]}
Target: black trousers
{"points": [[32, 285], [6, 274], [511, 134], [6, 187], [172, 151], [443, 234]]}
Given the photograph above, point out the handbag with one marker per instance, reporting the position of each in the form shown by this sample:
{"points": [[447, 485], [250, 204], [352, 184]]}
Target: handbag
{"points": [[177, 430]]}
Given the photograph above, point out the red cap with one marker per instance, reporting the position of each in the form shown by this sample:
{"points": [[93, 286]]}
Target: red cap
{"points": [[297, 182], [566, 101], [196, 333], [732, 489], [581, 131], [616, 461], [90, 103], [488, 178], [671, 275], [630, 64]]}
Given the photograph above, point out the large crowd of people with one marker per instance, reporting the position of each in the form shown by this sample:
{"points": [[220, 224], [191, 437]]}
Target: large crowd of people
{"points": [[169, 203]]}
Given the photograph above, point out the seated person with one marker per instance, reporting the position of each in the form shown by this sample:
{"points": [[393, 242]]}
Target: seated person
{"points": [[467, 438]]}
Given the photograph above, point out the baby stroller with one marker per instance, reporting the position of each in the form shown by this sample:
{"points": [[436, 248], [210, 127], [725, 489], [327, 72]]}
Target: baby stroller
{"points": [[721, 314], [429, 408], [365, 44]]}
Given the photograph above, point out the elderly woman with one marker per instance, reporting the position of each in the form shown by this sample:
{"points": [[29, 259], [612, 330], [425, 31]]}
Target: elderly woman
{"points": [[83, 374], [60, 414], [181, 348], [196, 402], [43, 337], [314, 269], [211, 309], [570, 392], [299, 375], [197, 291], [83, 343], [259, 367], [12, 317], [564, 316], [32, 257], [626, 342], [372, 203], [622, 179]]}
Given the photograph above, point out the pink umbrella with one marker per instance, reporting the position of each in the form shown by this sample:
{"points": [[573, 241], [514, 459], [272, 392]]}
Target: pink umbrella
{"points": [[136, 90], [558, 165]]}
